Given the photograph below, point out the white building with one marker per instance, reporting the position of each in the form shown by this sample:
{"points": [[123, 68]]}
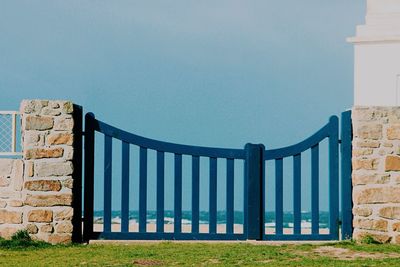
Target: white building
{"points": [[377, 55]]}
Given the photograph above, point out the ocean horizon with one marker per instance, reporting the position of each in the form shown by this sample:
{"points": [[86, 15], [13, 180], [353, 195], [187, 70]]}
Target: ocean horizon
{"points": [[288, 218]]}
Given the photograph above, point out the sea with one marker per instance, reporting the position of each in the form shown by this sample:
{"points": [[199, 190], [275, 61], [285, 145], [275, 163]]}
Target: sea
{"points": [[221, 218]]}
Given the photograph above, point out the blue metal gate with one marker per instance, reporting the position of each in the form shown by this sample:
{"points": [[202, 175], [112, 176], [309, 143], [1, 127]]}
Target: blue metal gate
{"points": [[252, 157]]}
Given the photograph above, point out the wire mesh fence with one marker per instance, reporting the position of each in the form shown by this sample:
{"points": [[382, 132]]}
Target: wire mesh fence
{"points": [[8, 133]]}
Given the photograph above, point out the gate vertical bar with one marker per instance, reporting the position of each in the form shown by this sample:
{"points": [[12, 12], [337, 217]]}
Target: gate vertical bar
{"points": [[178, 195], [125, 188], [160, 191], [213, 197], [230, 183], [334, 177], [143, 190], [254, 177], [315, 189], [107, 182], [279, 196], [195, 194], [346, 183], [89, 177], [77, 174], [297, 194]]}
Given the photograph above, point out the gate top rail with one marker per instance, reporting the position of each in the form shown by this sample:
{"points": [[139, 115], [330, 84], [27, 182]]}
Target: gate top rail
{"points": [[313, 140], [162, 146]]}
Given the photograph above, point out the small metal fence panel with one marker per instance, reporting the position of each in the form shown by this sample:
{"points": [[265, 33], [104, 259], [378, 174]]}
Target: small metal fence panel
{"points": [[8, 133]]}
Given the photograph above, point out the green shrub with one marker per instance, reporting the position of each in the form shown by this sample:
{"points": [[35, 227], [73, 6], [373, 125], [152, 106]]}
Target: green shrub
{"points": [[369, 240], [22, 240]]}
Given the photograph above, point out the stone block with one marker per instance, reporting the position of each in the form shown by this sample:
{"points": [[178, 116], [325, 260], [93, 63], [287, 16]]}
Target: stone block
{"points": [[3, 204], [396, 227], [48, 200], [68, 107], [64, 227], [362, 211], [390, 212], [38, 123], [60, 139], [362, 152], [15, 203], [69, 153], [369, 131], [365, 164], [7, 231], [43, 185], [33, 106], [47, 228], [381, 238], [40, 153], [40, 216], [48, 169], [362, 179], [65, 214], [371, 224], [10, 194], [371, 195], [4, 181], [392, 163], [393, 132], [368, 144], [59, 238], [32, 228], [6, 166], [14, 217], [68, 183], [48, 111], [18, 174], [64, 124], [29, 168]]}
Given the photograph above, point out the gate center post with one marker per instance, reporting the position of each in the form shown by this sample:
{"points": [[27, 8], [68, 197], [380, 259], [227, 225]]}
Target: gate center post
{"points": [[254, 184]]}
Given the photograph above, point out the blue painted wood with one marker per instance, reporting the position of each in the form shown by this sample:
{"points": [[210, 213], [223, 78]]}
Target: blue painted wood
{"points": [[279, 196], [107, 182], [300, 147], [168, 147], [195, 194], [254, 156], [301, 237], [160, 191], [89, 177], [213, 196], [77, 174], [334, 178], [255, 187], [347, 215], [142, 189], [166, 236], [125, 188], [297, 194], [230, 183], [178, 194], [315, 189]]}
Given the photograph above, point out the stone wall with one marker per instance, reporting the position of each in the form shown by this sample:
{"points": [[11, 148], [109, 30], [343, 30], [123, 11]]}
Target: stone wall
{"points": [[376, 173], [36, 191]]}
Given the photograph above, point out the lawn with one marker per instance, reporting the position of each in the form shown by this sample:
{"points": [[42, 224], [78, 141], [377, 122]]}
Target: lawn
{"points": [[201, 254]]}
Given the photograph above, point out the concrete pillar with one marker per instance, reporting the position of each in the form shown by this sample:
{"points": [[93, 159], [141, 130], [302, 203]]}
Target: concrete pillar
{"points": [[377, 55], [376, 124]]}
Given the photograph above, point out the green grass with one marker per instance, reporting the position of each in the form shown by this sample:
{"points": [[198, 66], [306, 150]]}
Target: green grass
{"points": [[188, 254]]}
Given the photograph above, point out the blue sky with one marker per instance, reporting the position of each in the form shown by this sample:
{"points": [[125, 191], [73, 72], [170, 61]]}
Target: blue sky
{"points": [[214, 73]]}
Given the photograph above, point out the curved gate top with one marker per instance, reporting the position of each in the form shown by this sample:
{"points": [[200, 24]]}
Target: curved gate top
{"points": [[252, 161]]}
